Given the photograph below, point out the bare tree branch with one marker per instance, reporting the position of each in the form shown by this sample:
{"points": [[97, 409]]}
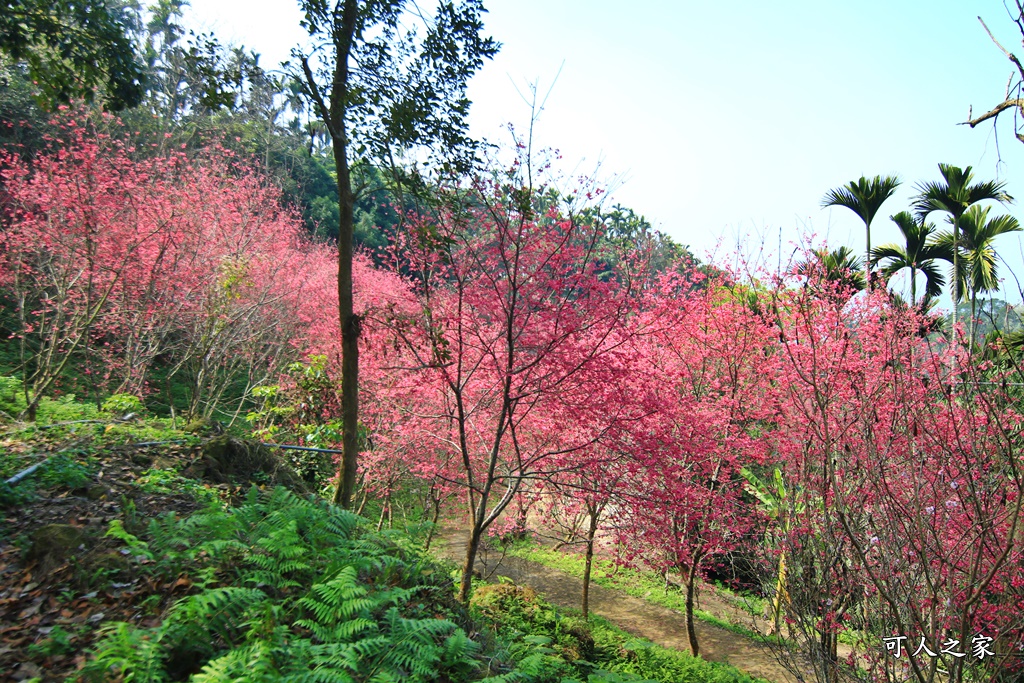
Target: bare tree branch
{"points": [[1009, 55], [1008, 102], [996, 111]]}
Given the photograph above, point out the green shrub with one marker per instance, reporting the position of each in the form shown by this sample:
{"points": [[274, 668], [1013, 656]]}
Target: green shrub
{"points": [[66, 471], [123, 404], [12, 399], [57, 643], [670, 666], [65, 409]]}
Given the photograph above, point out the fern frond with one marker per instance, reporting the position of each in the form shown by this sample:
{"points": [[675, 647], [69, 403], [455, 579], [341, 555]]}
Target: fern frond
{"points": [[215, 612], [345, 632], [137, 546], [131, 653]]}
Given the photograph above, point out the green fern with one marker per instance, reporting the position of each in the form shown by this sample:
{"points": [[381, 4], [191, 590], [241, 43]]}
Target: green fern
{"points": [[132, 653], [137, 547], [335, 606], [215, 613], [281, 556], [303, 596]]}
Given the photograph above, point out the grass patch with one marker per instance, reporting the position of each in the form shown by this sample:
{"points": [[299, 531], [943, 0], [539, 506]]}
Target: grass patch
{"points": [[554, 644], [169, 482], [640, 584]]}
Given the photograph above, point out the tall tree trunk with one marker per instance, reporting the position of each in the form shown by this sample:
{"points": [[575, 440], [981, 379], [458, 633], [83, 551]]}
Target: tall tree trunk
{"points": [[913, 288], [867, 259], [956, 271], [974, 318], [349, 335], [343, 32]]}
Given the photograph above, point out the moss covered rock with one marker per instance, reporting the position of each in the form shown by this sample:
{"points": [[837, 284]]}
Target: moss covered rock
{"points": [[52, 544]]}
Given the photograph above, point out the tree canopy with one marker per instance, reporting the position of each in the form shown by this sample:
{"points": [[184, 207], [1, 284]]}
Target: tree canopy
{"points": [[74, 48]]}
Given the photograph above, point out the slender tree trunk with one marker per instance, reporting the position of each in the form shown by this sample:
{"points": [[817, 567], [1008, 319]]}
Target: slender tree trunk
{"points": [[591, 533], [333, 115], [956, 270], [830, 652], [778, 599], [691, 633], [433, 523], [913, 288], [867, 259], [466, 585], [974, 319]]}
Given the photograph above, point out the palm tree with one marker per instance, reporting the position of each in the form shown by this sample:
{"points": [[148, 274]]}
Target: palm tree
{"points": [[916, 254], [955, 195], [864, 197], [839, 266], [974, 253]]}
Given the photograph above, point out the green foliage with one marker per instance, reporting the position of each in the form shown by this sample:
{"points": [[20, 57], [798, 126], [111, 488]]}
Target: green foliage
{"points": [[303, 411], [58, 643], [132, 651], [18, 103], [626, 231], [62, 471], [122, 404], [136, 546], [12, 399], [64, 409], [150, 430], [669, 666], [74, 49], [557, 646], [295, 592], [68, 409], [13, 496], [169, 482], [65, 471]]}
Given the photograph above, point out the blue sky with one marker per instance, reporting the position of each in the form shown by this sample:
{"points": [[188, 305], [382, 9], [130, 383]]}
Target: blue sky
{"points": [[727, 122]]}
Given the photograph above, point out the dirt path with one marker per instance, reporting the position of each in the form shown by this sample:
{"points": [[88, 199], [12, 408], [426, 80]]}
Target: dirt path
{"points": [[658, 624]]}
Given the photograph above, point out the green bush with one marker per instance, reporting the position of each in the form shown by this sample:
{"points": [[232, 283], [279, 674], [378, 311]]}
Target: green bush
{"points": [[65, 471], [12, 400], [670, 666], [65, 409], [123, 404]]}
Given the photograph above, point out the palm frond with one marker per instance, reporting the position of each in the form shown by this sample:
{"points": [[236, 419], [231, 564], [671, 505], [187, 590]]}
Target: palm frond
{"points": [[956, 193], [863, 196], [934, 280]]}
